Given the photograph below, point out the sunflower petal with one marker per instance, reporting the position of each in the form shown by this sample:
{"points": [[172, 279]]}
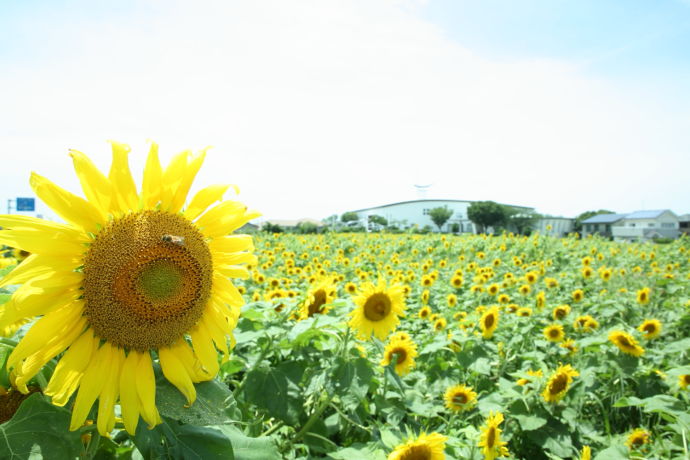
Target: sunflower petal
{"points": [[172, 177], [70, 207], [91, 385], [37, 265], [153, 177], [70, 369], [185, 184], [95, 185], [146, 389], [110, 391], [41, 243], [203, 199], [129, 399], [231, 243], [16, 222], [124, 192], [204, 349], [176, 373]]}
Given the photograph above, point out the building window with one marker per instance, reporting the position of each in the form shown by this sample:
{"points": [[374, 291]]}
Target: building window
{"points": [[425, 211], [651, 224], [632, 224], [668, 225]]}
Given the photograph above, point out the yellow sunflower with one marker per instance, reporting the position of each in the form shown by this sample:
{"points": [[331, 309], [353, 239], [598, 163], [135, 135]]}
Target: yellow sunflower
{"points": [[578, 295], [424, 312], [403, 351], [440, 324], [524, 312], [638, 438], [586, 453], [651, 328], [684, 380], [456, 281], [425, 447], [378, 309], [319, 297], [130, 277], [558, 383], [460, 398], [489, 322], [643, 296], [525, 381], [560, 312], [554, 333], [490, 439], [452, 300], [626, 343]]}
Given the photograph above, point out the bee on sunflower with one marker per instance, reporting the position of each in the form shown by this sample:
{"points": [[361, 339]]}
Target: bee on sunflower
{"points": [[130, 278]]}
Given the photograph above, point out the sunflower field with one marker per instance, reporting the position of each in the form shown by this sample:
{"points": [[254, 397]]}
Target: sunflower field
{"points": [[142, 329]]}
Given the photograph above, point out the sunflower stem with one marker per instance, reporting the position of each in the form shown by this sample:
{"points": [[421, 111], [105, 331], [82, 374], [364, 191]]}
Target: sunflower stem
{"points": [[317, 413], [276, 426], [10, 342]]}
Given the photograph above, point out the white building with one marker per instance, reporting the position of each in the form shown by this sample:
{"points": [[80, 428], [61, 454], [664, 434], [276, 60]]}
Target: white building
{"points": [[407, 214], [555, 226], [635, 226]]}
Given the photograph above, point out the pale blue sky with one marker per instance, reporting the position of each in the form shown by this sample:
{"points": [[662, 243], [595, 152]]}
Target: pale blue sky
{"points": [[316, 107]]}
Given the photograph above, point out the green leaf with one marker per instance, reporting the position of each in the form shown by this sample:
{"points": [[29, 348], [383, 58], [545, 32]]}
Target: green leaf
{"points": [[173, 440], [247, 448], [351, 380], [39, 428], [214, 404], [268, 389], [528, 421], [613, 453]]}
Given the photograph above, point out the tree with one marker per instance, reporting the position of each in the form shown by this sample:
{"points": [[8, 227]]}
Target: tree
{"points": [[349, 217], [577, 225], [440, 215], [486, 214], [522, 221], [378, 220]]}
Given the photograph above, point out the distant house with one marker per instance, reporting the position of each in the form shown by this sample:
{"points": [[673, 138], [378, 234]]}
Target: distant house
{"points": [[646, 225], [601, 224], [684, 224]]}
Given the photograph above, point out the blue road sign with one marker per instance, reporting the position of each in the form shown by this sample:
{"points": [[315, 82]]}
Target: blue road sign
{"points": [[26, 204]]}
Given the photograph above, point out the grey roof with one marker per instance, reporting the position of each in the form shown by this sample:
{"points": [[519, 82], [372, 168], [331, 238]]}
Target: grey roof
{"points": [[684, 217], [604, 218], [652, 214]]}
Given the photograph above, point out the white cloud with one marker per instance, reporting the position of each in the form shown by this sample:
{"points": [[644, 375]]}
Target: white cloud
{"points": [[317, 107]]}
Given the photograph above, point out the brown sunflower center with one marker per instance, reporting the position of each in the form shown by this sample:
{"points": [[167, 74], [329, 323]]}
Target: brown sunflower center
{"points": [[319, 301], [416, 452], [489, 321], [377, 307], [399, 355], [554, 333], [460, 398], [650, 328], [147, 279], [624, 342], [491, 437], [558, 384]]}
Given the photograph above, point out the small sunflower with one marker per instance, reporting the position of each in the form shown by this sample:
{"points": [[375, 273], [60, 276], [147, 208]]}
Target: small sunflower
{"points": [[586, 453], [489, 322], [378, 309], [130, 277], [651, 328], [524, 312], [560, 312], [424, 312], [578, 295], [425, 447], [643, 296], [456, 281], [684, 380], [402, 351], [541, 300], [525, 381], [638, 438], [351, 288], [460, 398], [490, 439], [319, 297], [503, 298], [493, 289], [452, 300], [525, 289], [585, 323], [554, 333], [626, 343], [440, 324], [569, 345], [558, 383]]}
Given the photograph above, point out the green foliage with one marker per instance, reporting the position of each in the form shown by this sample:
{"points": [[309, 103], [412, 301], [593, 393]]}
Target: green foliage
{"points": [[349, 217], [440, 215], [272, 228], [521, 221], [486, 214]]}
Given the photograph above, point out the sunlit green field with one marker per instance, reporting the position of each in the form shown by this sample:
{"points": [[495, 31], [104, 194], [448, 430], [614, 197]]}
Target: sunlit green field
{"points": [[575, 343]]}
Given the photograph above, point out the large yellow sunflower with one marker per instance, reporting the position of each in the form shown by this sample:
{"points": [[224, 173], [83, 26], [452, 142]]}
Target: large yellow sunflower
{"points": [[378, 309], [129, 278], [425, 447], [489, 322], [490, 439]]}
